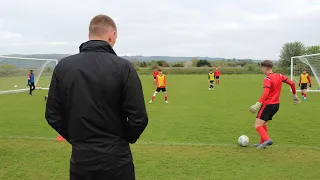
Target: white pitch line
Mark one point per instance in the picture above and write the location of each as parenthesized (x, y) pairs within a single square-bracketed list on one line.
[(168, 143)]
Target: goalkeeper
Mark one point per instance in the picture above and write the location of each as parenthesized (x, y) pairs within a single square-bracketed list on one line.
[(268, 105), (31, 82), (303, 83)]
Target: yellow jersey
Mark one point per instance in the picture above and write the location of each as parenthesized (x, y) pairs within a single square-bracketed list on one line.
[(161, 81), (305, 78), (211, 76)]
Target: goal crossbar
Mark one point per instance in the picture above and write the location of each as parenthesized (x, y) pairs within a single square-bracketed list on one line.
[(312, 68), (41, 70), (36, 59)]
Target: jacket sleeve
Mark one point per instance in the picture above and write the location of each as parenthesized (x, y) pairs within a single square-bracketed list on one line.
[(133, 104), (55, 107)]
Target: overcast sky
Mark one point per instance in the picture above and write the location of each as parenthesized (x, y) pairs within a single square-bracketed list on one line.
[(228, 28)]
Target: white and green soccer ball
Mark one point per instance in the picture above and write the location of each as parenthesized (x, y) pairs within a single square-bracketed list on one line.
[(243, 141)]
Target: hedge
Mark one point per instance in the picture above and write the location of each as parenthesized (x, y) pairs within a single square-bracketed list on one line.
[(199, 70)]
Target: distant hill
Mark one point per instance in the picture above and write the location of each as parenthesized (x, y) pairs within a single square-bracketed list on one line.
[(169, 59)]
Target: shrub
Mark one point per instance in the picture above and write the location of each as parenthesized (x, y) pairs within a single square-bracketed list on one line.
[(7, 70), (178, 65)]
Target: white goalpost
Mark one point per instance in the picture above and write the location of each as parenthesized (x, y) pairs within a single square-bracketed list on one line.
[(310, 63), (14, 73)]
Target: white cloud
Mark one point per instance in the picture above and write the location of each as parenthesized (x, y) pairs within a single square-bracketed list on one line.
[(9, 35), (229, 28)]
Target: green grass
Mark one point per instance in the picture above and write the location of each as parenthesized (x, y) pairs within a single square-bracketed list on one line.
[(9, 83), (193, 137)]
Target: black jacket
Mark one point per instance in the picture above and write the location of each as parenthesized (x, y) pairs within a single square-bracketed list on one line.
[(96, 102)]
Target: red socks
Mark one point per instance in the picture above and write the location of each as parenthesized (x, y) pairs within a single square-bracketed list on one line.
[(262, 130), (266, 129), (165, 98)]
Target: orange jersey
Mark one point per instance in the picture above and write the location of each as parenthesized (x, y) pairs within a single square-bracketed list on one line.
[(161, 81)]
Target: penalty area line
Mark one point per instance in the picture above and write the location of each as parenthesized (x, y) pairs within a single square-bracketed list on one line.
[(168, 143)]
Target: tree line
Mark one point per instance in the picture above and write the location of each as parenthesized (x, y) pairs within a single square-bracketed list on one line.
[(193, 63), (288, 50), (296, 48)]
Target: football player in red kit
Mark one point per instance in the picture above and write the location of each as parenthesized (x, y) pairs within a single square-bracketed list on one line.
[(155, 74), (217, 76), (268, 104)]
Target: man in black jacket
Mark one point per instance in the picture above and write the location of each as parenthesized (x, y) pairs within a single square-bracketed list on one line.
[(96, 103)]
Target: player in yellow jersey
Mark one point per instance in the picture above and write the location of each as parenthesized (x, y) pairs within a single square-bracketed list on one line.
[(303, 83), (161, 82), (211, 79)]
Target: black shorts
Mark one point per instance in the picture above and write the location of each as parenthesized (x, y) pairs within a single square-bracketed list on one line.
[(211, 82), (267, 111), (217, 77), (154, 77), (304, 86), (161, 89)]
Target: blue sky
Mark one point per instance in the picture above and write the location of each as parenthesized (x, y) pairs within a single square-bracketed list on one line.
[(229, 28)]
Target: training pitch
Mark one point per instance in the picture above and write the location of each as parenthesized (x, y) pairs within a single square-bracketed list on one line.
[(193, 137)]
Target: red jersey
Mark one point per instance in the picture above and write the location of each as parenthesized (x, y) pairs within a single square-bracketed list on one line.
[(155, 73), (217, 73), (272, 85)]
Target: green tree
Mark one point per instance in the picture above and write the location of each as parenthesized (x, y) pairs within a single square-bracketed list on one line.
[(135, 62), (289, 50), (241, 63), (162, 63), (312, 50), (202, 63), (178, 65), (143, 64), (194, 62)]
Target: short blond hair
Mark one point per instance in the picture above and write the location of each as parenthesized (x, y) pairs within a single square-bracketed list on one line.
[(100, 24)]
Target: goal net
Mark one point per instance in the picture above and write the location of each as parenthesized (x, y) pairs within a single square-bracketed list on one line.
[(310, 63), (14, 73)]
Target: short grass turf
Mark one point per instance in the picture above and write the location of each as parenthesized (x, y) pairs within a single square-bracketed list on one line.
[(192, 137)]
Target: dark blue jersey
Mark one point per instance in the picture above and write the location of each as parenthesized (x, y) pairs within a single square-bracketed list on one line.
[(31, 77)]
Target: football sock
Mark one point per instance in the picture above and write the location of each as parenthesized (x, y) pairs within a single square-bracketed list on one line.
[(263, 133), (166, 98), (266, 129)]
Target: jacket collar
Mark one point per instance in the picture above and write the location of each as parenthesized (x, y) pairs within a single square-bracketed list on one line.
[(96, 46)]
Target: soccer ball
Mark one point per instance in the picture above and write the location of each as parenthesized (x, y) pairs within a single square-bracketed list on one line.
[(243, 141), (15, 86)]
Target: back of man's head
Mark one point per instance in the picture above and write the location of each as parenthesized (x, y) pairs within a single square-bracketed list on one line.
[(102, 27), (267, 64)]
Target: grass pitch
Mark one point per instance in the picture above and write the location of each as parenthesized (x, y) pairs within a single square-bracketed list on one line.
[(192, 137)]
